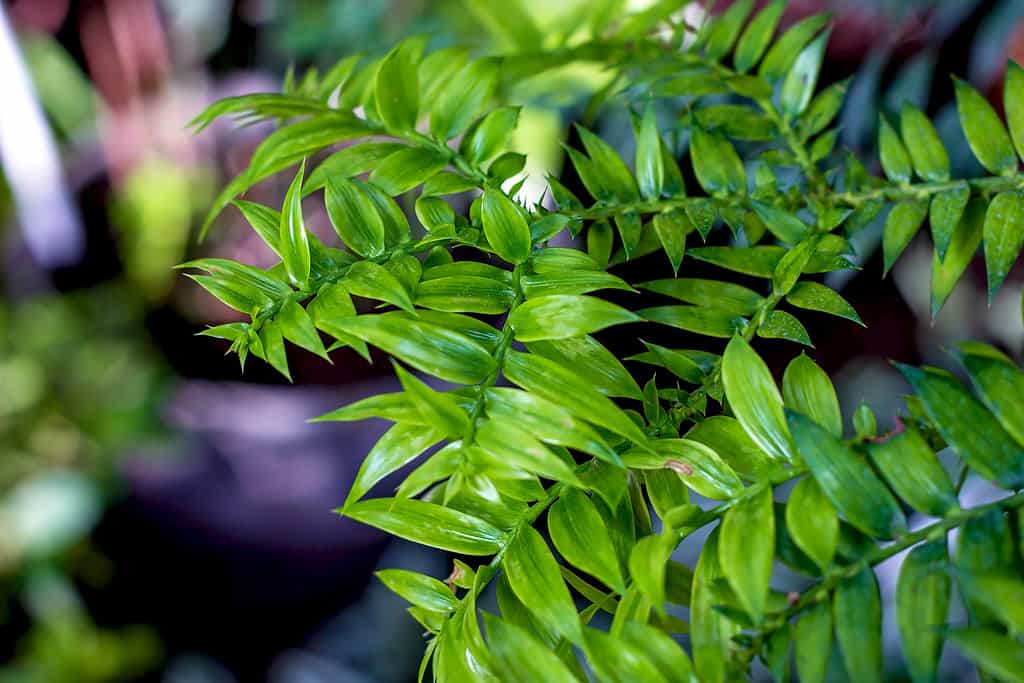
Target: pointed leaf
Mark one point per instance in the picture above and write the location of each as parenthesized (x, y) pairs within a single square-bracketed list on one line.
[(429, 524), (293, 239), (520, 657), (807, 389), (985, 132), (1004, 237), (813, 643), (419, 589), (813, 296), (561, 316), (758, 36), (812, 522), (947, 208), (926, 151), (995, 653), (755, 400), (857, 612), (914, 473), (354, 217), (399, 446), (650, 169), (746, 548), (536, 580), (580, 536), (947, 269), (397, 88), (505, 227), (901, 225)]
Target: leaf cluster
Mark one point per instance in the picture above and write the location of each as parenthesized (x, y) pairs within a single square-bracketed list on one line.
[(540, 459)]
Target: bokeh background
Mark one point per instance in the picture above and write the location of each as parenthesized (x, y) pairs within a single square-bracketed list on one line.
[(164, 517)]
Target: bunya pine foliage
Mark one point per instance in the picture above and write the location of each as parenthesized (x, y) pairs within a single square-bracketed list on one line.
[(559, 474)]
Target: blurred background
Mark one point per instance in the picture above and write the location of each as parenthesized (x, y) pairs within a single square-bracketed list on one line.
[(164, 517)]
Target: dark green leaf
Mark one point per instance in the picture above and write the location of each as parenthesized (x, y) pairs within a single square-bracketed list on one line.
[(812, 522), (437, 351), (999, 384), (813, 296), (914, 473), (746, 548), (960, 250), (1013, 101), (706, 321), (947, 208), (716, 163), (581, 538), (857, 612), (293, 238), (782, 224), (847, 480), (901, 225), (807, 389), (536, 580), (561, 316), (813, 643), (757, 261), (465, 294), (505, 227), (711, 293), (354, 217), (985, 132), (993, 652), (755, 400), (782, 325), (429, 524), (758, 36), (407, 168), (926, 151), (786, 49), (1004, 237), (419, 589), (968, 427)]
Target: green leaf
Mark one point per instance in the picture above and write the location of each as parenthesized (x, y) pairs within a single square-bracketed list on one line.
[(561, 316), (439, 410), (265, 222), (666, 490), (1013, 101), (700, 467), (617, 661), (701, 213), (354, 217), (373, 281), (968, 427), (397, 88), (610, 166), (813, 296), (716, 163), (802, 77), (746, 548), (1004, 237), (857, 613), (910, 467), (520, 657), (786, 49), (293, 238), (570, 282), (491, 135), (999, 384), (725, 29), (647, 563), (895, 159), (395, 407), (686, 365), (437, 351), (396, 225), (823, 109), (298, 328), (758, 36), (755, 400), (580, 536), (813, 643), (593, 362), (241, 296), (505, 227), (947, 208), (947, 269), (650, 163), (548, 421), (756, 261), (706, 321), (807, 389), (782, 224), (536, 580), (419, 589), (710, 632), (847, 480), (926, 151), (434, 212), (273, 347), (333, 303), (901, 225), (999, 593), (993, 652), (512, 446), (737, 121), (782, 325), (551, 381), (711, 293), (429, 524), (348, 162), (463, 97), (812, 522), (725, 436), (399, 446), (985, 132), (465, 294), (659, 648), (407, 168), (258, 284), (435, 468)]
